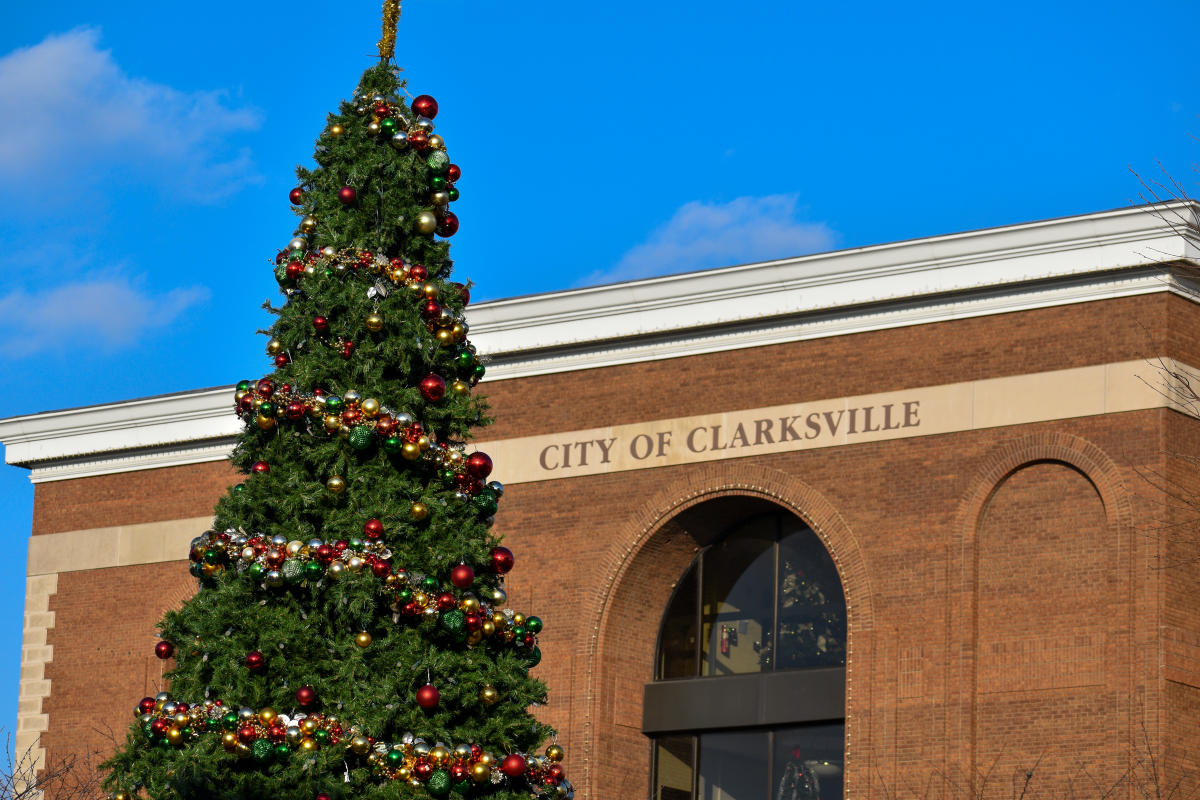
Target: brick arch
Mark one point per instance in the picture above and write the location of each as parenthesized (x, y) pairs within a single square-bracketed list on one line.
[(997, 466), (646, 539)]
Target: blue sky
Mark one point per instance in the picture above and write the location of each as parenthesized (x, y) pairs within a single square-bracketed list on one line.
[(148, 148)]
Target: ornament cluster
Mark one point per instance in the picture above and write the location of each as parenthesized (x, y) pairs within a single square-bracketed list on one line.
[(266, 735), (295, 267), (465, 615)]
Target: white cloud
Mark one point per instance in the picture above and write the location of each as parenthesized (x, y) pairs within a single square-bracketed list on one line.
[(71, 114), (703, 235), (92, 314)]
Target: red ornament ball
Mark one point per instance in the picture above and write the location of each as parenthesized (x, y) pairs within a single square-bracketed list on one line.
[(433, 387), (381, 569), (427, 696), (294, 270), (322, 796), (462, 576), (448, 224), (431, 310), (246, 733), (164, 650), (347, 195), (320, 324), (425, 105), (419, 140), (479, 465), (502, 560), (446, 601), (453, 173), (260, 467), (146, 706), (294, 410), (306, 696), (373, 528), (418, 273), (296, 196), (423, 769), (266, 387), (282, 360), (513, 766), (255, 661)]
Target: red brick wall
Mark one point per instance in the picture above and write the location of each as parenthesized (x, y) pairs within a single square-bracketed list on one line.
[(956, 552)]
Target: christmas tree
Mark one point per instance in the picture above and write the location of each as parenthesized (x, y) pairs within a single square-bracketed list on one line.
[(349, 636)]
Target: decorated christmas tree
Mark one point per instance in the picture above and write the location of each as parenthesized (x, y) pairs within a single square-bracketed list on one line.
[(349, 638)]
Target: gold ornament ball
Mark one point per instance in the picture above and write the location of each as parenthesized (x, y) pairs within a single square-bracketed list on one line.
[(355, 564), (266, 423), (182, 720), (363, 639), (328, 251), (174, 735), (474, 638), (459, 387), (411, 451), (375, 322), (499, 597), (274, 348), (120, 796), (268, 715), (332, 423), (419, 512), (438, 199), (486, 759), (480, 772), (488, 628), (298, 244), (444, 337), (469, 604), (373, 128), (308, 224), (403, 773), (518, 619), (462, 750), (308, 726), (360, 745), (424, 443), (370, 408), (308, 745), (489, 695), (439, 755), (437, 142), (294, 547), (229, 740), (336, 570), (555, 752), (336, 484), (336, 130), (426, 222)]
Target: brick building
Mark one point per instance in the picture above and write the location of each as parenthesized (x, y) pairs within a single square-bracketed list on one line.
[(870, 521)]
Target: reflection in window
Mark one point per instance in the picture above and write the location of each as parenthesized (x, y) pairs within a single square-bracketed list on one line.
[(765, 597), (802, 762)]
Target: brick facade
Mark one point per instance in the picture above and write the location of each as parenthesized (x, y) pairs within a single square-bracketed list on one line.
[(1019, 595)]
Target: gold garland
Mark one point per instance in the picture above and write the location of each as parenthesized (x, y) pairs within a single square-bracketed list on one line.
[(391, 16)]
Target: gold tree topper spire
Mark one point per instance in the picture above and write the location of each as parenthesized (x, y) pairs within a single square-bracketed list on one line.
[(391, 16)]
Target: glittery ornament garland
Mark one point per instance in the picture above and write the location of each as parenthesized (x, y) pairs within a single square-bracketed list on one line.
[(265, 736), (276, 562)]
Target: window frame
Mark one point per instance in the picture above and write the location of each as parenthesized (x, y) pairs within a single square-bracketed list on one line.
[(767, 700)]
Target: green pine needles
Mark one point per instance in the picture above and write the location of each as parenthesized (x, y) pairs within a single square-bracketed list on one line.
[(350, 638)]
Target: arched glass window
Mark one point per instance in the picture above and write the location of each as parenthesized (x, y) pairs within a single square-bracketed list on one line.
[(749, 695)]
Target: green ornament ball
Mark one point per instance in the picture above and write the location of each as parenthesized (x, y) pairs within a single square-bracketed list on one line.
[(322, 736), (255, 570), (293, 570), (243, 386), (438, 162), (394, 758), (464, 359), (333, 405), (393, 445), (534, 658), (230, 721), (437, 183), (429, 584), (388, 125), (404, 595), (282, 749), (267, 409), (313, 571), (454, 621), (262, 750), (453, 192), (485, 503), (361, 437), (479, 370), (439, 783), (533, 625)]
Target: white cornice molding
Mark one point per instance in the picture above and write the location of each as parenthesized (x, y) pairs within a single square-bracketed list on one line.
[(1050, 263)]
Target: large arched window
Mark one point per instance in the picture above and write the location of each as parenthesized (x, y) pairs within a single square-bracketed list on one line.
[(749, 693)]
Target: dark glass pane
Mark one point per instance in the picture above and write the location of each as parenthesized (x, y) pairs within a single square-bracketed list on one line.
[(673, 768), (809, 761), (812, 608), (677, 646), (736, 606), (733, 766)]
